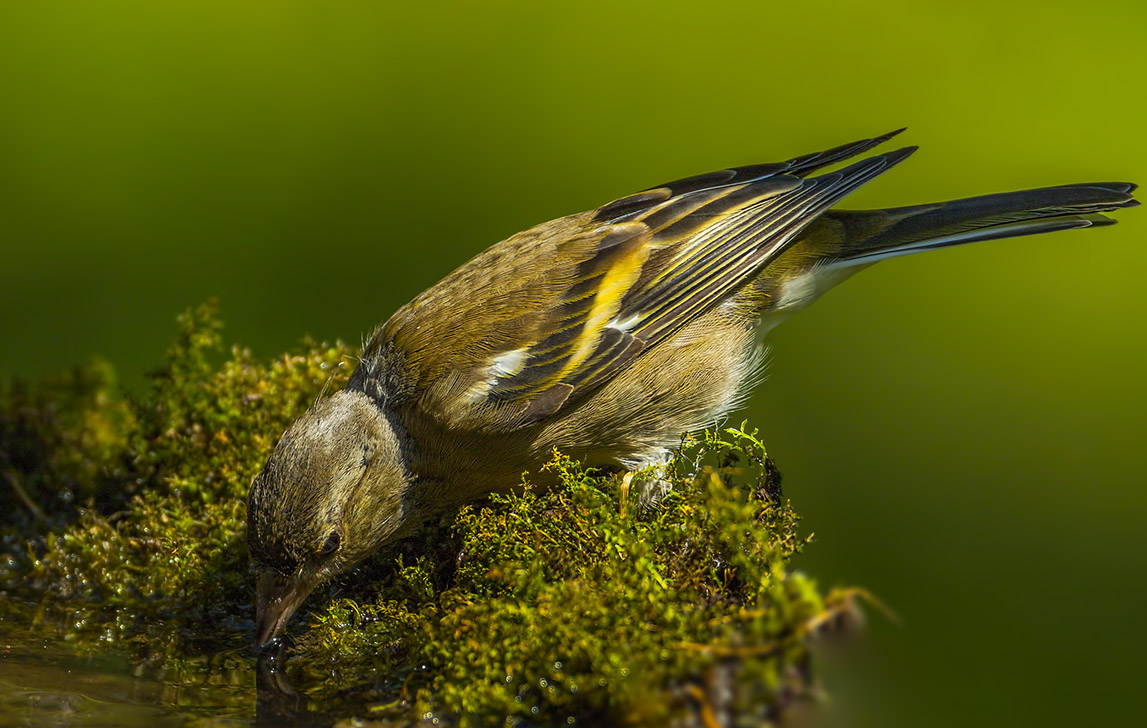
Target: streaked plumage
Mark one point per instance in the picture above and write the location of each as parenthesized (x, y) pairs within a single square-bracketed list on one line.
[(605, 334)]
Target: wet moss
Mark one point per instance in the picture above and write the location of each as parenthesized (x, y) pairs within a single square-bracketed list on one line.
[(125, 525)]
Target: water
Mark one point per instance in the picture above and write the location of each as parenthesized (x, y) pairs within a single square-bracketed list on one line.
[(50, 678), (46, 681)]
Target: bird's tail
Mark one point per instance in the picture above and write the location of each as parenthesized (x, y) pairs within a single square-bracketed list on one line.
[(873, 235)]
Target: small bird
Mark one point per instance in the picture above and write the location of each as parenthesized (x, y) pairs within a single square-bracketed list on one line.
[(605, 334)]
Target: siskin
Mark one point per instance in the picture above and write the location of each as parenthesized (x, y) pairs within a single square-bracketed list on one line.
[(605, 334)]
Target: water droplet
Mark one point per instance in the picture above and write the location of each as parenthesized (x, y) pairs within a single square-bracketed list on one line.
[(557, 665), (542, 683), (534, 710)]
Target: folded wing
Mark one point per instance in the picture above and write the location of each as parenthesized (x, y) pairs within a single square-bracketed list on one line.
[(533, 324)]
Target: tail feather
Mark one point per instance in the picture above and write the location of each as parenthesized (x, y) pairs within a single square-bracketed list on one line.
[(874, 235)]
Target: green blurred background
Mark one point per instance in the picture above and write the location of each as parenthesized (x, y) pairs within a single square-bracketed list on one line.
[(962, 429)]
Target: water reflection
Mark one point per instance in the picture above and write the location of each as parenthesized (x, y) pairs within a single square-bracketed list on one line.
[(48, 681), (50, 677), (277, 702), (43, 684)]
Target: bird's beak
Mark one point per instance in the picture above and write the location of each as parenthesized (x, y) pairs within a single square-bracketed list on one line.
[(276, 599)]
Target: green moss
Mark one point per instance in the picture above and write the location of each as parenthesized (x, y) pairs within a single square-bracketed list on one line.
[(571, 605)]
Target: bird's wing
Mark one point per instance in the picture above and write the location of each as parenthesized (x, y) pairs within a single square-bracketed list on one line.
[(536, 322)]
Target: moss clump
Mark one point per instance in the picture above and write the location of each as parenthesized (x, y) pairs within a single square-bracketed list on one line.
[(131, 513), (572, 605)]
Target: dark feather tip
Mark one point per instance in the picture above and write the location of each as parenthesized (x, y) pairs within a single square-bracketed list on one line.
[(885, 137)]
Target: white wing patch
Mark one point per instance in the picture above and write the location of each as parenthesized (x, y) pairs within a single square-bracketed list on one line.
[(626, 325), (506, 364)]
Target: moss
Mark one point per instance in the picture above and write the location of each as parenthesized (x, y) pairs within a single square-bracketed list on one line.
[(572, 605), (60, 441)]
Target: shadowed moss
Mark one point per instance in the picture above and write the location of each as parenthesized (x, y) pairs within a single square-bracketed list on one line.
[(571, 605)]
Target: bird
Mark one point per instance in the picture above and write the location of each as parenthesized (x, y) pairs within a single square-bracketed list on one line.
[(605, 334)]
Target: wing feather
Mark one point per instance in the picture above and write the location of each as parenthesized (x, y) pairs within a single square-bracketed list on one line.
[(619, 210), (736, 246), (565, 306), (722, 238)]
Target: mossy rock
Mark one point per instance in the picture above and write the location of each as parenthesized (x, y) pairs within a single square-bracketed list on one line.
[(573, 605)]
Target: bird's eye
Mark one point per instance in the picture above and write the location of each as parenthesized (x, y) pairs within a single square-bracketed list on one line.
[(331, 543)]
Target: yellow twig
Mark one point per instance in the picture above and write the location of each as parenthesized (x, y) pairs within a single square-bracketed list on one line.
[(708, 717)]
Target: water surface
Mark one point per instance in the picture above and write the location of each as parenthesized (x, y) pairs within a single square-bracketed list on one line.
[(48, 680)]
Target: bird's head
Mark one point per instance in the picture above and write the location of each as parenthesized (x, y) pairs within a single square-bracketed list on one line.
[(332, 492)]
